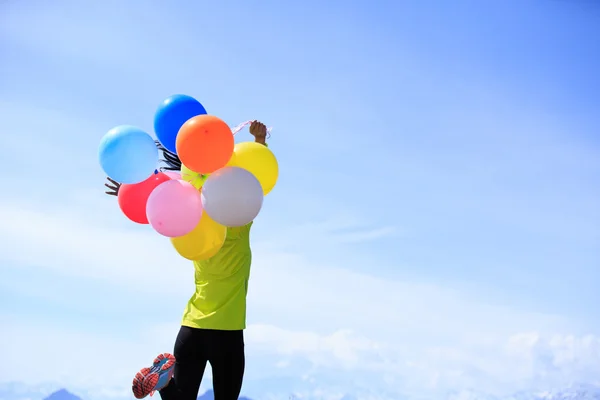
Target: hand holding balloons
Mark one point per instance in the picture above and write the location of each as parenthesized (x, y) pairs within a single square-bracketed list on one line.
[(259, 131)]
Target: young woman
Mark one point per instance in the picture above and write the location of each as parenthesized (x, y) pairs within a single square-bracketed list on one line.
[(213, 321)]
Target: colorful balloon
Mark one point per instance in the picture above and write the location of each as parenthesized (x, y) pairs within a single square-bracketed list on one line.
[(196, 179), (171, 114), (232, 196), (128, 154), (205, 144), (134, 197), (203, 242), (174, 208), (259, 160)]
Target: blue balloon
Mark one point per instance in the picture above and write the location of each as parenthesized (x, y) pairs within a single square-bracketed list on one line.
[(171, 115), (128, 154)]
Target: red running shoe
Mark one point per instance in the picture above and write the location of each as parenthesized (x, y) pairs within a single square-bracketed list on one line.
[(149, 380)]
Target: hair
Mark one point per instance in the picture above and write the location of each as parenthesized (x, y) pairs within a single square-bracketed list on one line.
[(171, 161)]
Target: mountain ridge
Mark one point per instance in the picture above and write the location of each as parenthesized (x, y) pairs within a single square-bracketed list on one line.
[(576, 392), (64, 394)]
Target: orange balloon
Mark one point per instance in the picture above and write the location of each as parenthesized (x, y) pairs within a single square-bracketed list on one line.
[(204, 144)]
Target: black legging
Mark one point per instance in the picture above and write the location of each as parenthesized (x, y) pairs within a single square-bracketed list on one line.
[(224, 350)]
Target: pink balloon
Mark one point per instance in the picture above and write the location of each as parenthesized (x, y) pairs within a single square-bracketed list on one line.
[(174, 208), (172, 174)]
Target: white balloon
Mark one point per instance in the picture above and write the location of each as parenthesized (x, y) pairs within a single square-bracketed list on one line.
[(232, 196)]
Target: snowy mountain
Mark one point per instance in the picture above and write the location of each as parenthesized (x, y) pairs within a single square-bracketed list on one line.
[(580, 392), (22, 391), (62, 394)]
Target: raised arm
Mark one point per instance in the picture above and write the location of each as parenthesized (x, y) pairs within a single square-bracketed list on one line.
[(259, 131)]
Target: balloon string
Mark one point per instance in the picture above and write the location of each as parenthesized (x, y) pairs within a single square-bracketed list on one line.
[(246, 123)]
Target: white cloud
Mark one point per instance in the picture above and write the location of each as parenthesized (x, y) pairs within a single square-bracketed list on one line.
[(338, 229), (40, 354), (339, 349), (329, 238), (77, 241), (508, 364), (565, 357)]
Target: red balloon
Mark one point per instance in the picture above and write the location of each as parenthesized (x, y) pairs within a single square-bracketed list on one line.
[(133, 197)]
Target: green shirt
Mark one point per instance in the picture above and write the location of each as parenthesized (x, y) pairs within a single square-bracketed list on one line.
[(222, 285)]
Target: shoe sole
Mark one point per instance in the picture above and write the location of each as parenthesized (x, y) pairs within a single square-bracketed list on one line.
[(145, 381)]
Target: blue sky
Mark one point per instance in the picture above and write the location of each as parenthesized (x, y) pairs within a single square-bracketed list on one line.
[(436, 223)]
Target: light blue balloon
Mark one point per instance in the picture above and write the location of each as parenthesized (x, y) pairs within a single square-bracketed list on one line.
[(128, 154)]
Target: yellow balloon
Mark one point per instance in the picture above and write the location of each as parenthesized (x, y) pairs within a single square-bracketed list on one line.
[(259, 160), (196, 179), (203, 242)]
